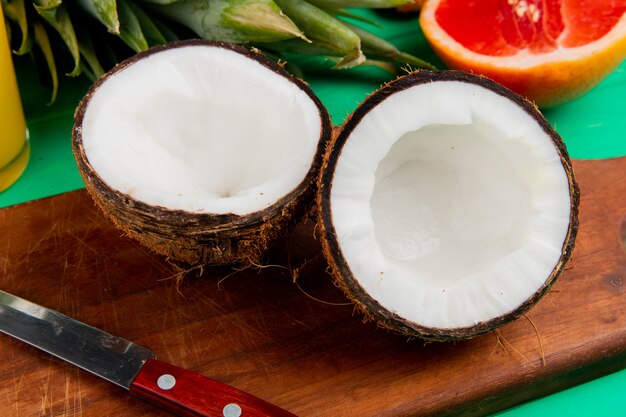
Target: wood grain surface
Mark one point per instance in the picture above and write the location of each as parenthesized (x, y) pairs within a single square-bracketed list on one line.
[(299, 345)]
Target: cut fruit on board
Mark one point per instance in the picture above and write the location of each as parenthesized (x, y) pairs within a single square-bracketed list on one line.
[(238, 171), (550, 51), (256, 330), (448, 221)]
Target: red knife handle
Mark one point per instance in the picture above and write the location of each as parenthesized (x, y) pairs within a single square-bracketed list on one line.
[(188, 394)]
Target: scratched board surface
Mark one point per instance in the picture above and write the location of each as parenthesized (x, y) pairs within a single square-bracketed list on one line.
[(299, 345)]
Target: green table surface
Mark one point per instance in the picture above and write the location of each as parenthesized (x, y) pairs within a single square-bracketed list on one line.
[(594, 126)]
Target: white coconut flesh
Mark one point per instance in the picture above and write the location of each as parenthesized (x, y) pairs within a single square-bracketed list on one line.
[(202, 129), (450, 204)]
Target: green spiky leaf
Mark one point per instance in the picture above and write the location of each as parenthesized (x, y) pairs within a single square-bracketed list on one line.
[(55, 13), (88, 52), (15, 11), (373, 46), (310, 27), (167, 33), (354, 16), (161, 2), (237, 21), (325, 31), (130, 28), (103, 10), (260, 21), (42, 40), (364, 4), (149, 29)]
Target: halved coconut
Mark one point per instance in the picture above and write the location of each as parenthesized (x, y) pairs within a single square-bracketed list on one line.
[(448, 205), (203, 151)]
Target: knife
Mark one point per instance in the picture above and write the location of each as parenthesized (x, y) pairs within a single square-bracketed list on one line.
[(127, 364)]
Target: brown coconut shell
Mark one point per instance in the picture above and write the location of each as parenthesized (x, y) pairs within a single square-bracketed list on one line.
[(342, 274), (201, 238)]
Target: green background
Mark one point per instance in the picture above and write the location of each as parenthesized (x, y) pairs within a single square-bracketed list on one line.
[(594, 126)]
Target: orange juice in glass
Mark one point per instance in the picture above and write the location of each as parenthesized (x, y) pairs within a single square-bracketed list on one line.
[(14, 146)]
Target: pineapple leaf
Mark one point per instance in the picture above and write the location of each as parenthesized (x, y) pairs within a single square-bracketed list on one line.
[(237, 21), (198, 15), (161, 2), (15, 10), (130, 28), (167, 33), (150, 30), (260, 21), (384, 65), (87, 72), (325, 31), (377, 47), (310, 27), (103, 10), (88, 52), (295, 46), (369, 4), (43, 42), (55, 13), (346, 13)]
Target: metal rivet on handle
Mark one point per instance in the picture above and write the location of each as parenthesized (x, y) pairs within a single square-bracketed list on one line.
[(231, 410), (166, 381)]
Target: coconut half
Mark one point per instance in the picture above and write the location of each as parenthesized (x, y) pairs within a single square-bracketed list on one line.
[(203, 151), (448, 205)]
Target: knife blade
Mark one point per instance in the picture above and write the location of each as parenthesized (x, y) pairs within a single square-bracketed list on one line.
[(127, 364)]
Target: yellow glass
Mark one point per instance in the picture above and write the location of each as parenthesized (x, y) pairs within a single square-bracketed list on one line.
[(14, 146)]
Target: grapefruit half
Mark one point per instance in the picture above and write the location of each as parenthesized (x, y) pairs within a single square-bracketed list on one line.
[(549, 51)]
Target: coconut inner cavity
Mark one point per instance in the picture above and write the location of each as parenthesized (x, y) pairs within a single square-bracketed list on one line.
[(443, 193), (201, 129), (450, 204)]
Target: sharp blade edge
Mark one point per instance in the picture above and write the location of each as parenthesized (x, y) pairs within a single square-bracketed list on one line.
[(115, 359)]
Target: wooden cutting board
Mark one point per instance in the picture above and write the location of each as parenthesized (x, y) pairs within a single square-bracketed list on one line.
[(299, 345)]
